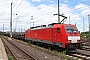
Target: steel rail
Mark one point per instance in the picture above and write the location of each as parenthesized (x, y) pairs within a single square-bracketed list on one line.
[(19, 49)]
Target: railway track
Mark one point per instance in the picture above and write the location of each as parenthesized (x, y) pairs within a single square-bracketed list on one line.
[(86, 41), (17, 52), (80, 54), (87, 48), (39, 53)]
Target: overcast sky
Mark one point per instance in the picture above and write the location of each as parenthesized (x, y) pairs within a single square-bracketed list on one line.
[(43, 13)]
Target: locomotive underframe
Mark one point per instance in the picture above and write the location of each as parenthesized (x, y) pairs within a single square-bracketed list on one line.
[(72, 47), (48, 42)]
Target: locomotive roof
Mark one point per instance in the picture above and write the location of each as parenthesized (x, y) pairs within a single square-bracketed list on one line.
[(38, 26), (51, 25), (66, 25), (70, 25)]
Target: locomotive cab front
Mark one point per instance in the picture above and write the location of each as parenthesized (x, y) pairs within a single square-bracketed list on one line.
[(73, 36)]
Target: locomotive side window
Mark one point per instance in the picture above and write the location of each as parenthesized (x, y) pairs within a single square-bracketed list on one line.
[(58, 30)]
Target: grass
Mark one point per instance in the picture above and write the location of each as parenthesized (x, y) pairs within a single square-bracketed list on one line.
[(10, 58), (6, 50), (29, 42), (62, 54)]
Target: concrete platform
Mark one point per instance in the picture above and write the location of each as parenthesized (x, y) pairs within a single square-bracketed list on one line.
[(3, 55)]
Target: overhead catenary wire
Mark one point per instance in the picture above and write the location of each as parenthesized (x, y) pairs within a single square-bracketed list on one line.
[(18, 6), (72, 5), (52, 11), (77, 3), (64, 12), (76, 9), (69, 10)]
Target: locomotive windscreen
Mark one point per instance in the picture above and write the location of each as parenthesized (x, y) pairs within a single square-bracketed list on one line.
[(71, 29)]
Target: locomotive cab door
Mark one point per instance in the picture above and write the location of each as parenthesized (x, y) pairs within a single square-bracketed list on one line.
[(58, 34), (54, 35)]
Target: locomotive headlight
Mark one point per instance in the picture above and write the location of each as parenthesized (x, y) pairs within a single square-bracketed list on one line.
[(69, 41)]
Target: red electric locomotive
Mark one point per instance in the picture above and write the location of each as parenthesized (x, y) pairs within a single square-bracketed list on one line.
[(63, 35)]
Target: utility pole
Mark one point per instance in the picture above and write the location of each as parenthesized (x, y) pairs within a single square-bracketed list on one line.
[(89, 23), (11, 22), (30, 25), (33, 24), (16, 24), (58, 12), (75, 24), (69, 19), (32, 19), (3, 29), (21, 28), (83, 25)]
